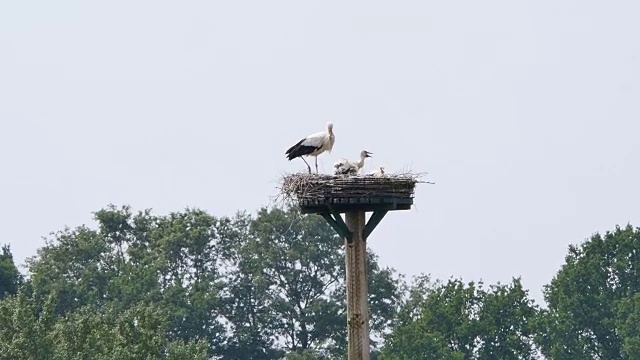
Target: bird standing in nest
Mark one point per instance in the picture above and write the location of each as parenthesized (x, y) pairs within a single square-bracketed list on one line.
[(346, 167), (313, 145)]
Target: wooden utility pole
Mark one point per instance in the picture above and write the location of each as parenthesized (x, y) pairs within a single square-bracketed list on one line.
[(355, 232), (357, 288)]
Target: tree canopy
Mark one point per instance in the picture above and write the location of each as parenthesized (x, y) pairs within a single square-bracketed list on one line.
[(593, 304), (10, 277), (454, 320), (236, 287), (190, 285)]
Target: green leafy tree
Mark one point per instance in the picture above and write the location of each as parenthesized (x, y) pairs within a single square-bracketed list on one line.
[(147, 286), (628, 325), (186, 250), (289, 285), (248, 296), (25, 327), (591, 298), (504, 323), (10, 277), (302, 261), (434, 322), (31, 331), (305, 355), (462, 321), (75, 266), (170, 262), (138, 332)]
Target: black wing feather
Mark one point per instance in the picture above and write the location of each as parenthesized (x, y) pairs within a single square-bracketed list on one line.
[(298, 150)]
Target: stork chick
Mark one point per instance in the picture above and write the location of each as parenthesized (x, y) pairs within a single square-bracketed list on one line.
[(346, 167), (378, 173), (313, 145)]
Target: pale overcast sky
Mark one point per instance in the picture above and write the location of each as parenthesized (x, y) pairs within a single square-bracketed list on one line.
[(526, 114)]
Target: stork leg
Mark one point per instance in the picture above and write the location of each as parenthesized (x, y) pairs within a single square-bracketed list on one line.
[(305, 161), (316, 164)]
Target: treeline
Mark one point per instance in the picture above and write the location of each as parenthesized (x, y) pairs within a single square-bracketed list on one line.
[(189, 285)]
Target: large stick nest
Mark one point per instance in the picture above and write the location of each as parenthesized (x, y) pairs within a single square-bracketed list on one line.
[(303, 186)]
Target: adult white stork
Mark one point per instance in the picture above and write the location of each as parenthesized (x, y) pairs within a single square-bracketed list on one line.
[(313, 145), (346, 167)]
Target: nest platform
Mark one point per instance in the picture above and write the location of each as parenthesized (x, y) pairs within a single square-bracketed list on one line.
[(322, 194)]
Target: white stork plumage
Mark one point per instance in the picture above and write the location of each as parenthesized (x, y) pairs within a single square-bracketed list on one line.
[(346, 167), (313, 145), (377, 173)]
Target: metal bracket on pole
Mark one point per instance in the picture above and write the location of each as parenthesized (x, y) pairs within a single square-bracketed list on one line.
[(374, 220), (338, 225)]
